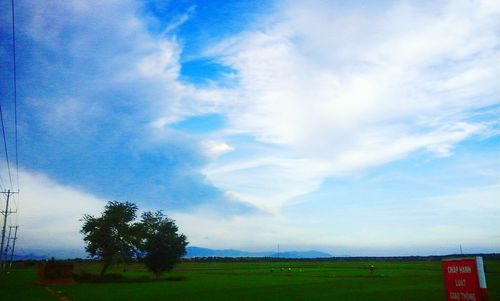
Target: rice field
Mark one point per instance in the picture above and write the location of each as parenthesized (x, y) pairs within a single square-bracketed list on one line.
[(332, 280)]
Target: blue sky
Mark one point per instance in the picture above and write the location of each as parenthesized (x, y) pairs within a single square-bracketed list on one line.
[(368, 128)]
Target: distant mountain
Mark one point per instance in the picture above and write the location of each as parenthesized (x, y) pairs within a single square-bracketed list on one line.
[(204, 252), (302, 254), (40, 254), (29, 256)]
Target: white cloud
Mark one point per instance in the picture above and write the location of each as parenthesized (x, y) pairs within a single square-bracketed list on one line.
[(473, 201), (345, 91), (107, 57), (268, 182), (328, 90), (214, 148), (445, 221), (49, 213), (163, 63)]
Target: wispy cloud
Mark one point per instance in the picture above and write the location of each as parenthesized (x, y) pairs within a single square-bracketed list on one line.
[(98, 91), (325, 90), (346, 89), (50, 214)]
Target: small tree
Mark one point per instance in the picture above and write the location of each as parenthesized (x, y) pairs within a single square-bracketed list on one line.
[(162, 245), (111, 235)]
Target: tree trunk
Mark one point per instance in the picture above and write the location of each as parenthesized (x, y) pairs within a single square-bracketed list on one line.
[(105, 267)]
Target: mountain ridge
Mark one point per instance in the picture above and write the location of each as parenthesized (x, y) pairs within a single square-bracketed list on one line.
[(191, 252)]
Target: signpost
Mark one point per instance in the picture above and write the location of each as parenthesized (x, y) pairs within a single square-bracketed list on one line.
[(464, 279)]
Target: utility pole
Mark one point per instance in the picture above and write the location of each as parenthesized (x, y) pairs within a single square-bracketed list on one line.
[(5, 214), (4, 225), (5, 252), (13, 247)]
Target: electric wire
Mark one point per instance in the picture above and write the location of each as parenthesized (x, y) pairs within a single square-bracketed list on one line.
[(2, 186), (15, 90), (14, 59), (5, 146), (16, 198), (14, 218), (10, 216)]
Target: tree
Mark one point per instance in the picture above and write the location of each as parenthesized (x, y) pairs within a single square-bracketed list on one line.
[(162, 245), (111, 235)]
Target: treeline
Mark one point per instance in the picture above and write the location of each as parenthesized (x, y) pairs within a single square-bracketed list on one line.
[(488, 256), (491, 256)]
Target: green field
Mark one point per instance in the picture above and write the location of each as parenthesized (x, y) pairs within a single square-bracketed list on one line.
[(335, 280)]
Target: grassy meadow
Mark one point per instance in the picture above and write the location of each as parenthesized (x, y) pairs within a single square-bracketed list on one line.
[(334, 280)]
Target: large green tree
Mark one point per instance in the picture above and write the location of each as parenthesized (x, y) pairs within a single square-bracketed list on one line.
[(112, 235), (161, 243)]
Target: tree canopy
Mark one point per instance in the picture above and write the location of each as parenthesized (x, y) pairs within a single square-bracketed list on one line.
[(161, 244), (117, 235), (112, 234)]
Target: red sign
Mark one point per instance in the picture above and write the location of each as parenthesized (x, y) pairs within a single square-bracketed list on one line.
[(461, 280)]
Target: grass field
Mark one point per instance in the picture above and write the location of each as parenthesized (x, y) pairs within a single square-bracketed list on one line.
[(336, 280)]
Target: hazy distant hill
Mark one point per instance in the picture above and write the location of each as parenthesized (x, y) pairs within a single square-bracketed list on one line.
[(29, 256), (38, 254), (204, 252), (302, 254)]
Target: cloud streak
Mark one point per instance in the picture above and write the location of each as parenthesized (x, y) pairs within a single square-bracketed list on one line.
[(96, 95), (50, 214), (345, 90)]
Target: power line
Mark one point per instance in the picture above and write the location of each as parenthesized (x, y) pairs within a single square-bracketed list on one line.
[(4, 253), (2, 186), (5, 146), (15, 131), (15, 88)]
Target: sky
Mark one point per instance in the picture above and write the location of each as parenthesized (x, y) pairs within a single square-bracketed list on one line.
[(354, 128)]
